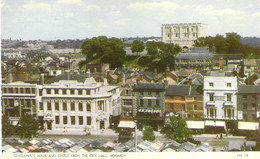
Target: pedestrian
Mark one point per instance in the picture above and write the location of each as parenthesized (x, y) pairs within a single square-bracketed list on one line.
[(221, 137), (217, 136)]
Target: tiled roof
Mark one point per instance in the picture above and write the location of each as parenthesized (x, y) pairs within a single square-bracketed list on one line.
[(248, 89), (149, 86), (194, 56)]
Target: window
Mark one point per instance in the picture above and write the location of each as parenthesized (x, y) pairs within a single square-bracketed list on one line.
[(64, 106), (49, 106), (244, 96), (41, 106), (57, 119), (72, 106), (211, 97), (88, 92), (72, 92), (253, 106), (88, 120), (244, 106), (57, 106), (126, 92), (141, 93), (80, 107), (195, 98), (72, 120), (128, 102), (228, 84), (229, 97), (10, 90), (48, 91), (211, 84), (88, 107), (21, 90), (149, 102), (64, 91), (149, 93), (80, 120), (100, 105), (157, 103), (157, 93), (141, 102), (79, 91), (65, 121), (195, 107), (244, 116), (27, 90), (56, 91), (40, 92)]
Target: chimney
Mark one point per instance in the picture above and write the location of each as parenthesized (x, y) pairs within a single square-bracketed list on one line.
[(189, 81), (221, 63), (88, 73), (42, 79), (123, 79), (165, 82)]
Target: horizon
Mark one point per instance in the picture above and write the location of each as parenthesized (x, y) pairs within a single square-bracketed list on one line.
[(77, 19)]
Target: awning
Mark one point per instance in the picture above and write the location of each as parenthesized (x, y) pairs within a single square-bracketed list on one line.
[(220, 123), (126, 124), (195, 124), (248, 125), (209, 123)]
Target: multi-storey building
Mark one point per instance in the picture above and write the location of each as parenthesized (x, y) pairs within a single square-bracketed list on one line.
[(127, 99), (185, 100), (149, 105), (18, 99), (220, 101), (248, 99), (183, 34), (194, 60), (71, 105)]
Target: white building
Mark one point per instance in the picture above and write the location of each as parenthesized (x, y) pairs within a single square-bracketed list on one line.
[(72, 105), (183, 34), (220, 100)]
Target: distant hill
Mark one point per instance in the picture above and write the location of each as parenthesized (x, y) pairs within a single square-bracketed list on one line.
[(251, 41)]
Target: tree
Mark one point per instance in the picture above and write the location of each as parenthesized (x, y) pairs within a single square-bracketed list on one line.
[(103, 50), (176, 129), (7, 127), (148, 134), (137, 46), (28, 126), (233, 43)]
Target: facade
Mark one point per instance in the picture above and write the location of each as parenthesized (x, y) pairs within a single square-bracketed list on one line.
[(127, 99), (194, 60), (65, 105), (248, 99), (185, 100), (72, 105), (18, 99), (149, 105), (220, 101), (183, 34)]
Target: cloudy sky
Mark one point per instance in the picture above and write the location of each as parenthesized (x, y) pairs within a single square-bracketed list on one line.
[(80, 19)]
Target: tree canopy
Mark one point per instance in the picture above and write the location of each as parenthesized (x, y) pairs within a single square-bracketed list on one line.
[(159, 56), (104, 50), (176, 129), (148, 134), (7, 127), (137, 46), (230, 44), (28, 126)]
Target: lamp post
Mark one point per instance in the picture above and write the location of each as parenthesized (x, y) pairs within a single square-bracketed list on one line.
[(135, 135)]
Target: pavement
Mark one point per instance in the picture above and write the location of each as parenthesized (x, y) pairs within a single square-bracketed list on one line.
[(107, 132)]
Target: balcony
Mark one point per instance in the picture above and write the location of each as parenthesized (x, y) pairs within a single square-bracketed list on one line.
[(210, 103), (228, 103)]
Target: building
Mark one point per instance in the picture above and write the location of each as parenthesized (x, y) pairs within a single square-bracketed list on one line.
[(149, 105), (127, 99), (183, 34), (67, 105), (248, 99), (251, 66), (18, 99), (78, 104), (220, 102), (194, 60), (186, 100)]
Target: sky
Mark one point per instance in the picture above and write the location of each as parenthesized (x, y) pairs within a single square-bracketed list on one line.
[(80, 19)]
